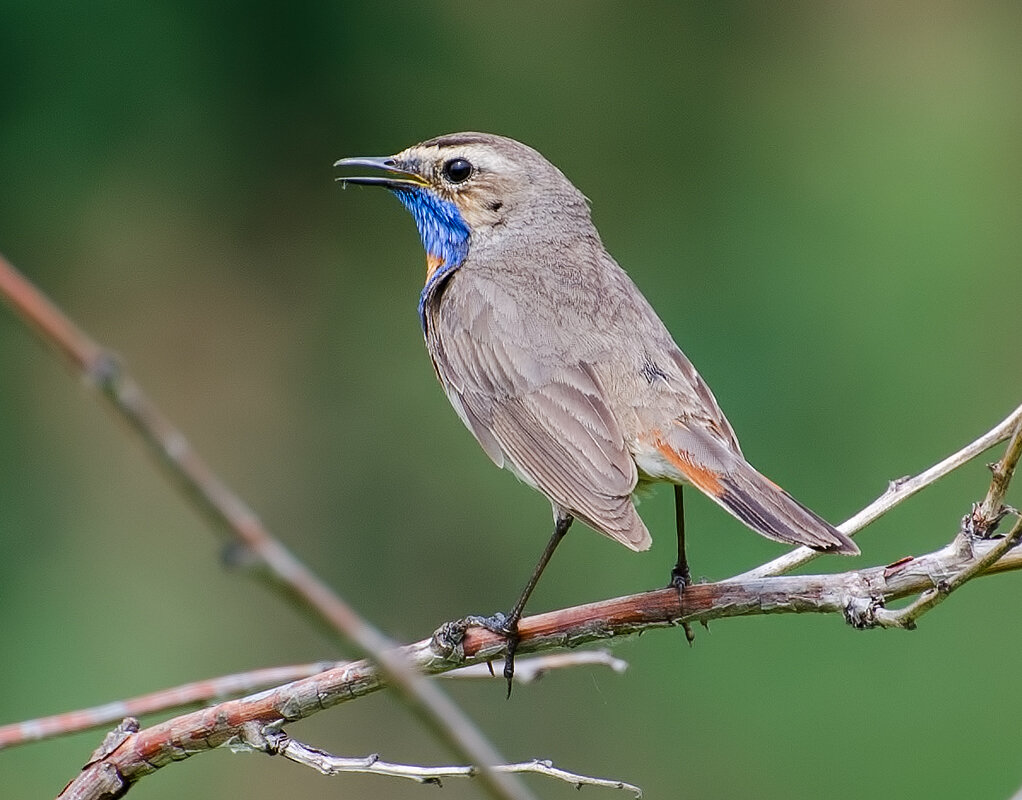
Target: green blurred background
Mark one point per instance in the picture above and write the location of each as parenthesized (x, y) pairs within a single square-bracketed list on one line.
[(822, 200)]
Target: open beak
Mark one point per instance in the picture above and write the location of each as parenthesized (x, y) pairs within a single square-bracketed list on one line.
[(398, 177)]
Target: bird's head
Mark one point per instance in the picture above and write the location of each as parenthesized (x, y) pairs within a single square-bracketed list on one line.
[(465, 188)]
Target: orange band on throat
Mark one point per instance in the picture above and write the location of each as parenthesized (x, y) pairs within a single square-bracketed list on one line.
[(433, 263)]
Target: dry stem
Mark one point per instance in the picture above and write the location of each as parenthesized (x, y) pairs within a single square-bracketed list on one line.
[(857, 596), (327, 764), (897, 492), (189, 695)]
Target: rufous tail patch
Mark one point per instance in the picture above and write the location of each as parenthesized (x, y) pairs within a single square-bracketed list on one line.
[(701, 477)]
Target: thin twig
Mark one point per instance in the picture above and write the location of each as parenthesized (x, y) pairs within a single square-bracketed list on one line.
[(992, 509), (898, 492), (857, 596), (229, 513), (980, 523), (906, 617), (530, 670), (179, 697), (327, 764), (527, 670)]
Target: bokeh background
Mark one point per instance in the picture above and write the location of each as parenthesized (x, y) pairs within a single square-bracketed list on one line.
[(821, 199)]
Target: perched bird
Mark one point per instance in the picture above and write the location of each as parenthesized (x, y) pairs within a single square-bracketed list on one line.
[(554, 359)]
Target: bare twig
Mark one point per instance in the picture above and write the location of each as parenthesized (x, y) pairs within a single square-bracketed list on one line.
[(527, 670), (327, 764), (906, 617), (898, 491), (857, 596), (189, 694), (860, 596), (992, 509), (530, 670), (229, 513), (980, 523)]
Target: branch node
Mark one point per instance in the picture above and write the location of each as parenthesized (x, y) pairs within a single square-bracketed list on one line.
[(964, 545), (103, 370), (983, 526), (862, 612), (237, 555), (114, 739), (896, 483), (970, 522), (448, 640), (885, 618), (255, 736)]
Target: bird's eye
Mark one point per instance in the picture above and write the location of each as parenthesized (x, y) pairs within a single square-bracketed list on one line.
[(457, 170)]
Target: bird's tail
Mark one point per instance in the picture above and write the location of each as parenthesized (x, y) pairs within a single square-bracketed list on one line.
[(769, 510)]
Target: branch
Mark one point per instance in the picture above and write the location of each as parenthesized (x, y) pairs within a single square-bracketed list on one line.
[(327, 764), (189, 694), (897, 492), (992, 510), (527, 670), (530, 670), (906, 617), (229, 513), (981, 522), (859, 596), (856, 595)]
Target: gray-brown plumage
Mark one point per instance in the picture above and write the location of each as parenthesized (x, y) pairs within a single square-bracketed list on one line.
[(554, 359)]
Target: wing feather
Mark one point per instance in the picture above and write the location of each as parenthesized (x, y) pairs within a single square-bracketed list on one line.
[(549, 422)]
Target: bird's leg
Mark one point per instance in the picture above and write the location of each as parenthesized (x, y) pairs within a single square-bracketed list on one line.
[(681, 576), (508, 625)]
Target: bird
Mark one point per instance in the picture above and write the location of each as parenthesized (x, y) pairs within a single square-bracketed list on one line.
[(555, 360)]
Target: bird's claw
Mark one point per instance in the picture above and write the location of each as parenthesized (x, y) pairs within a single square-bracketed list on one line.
[(496, 623), (501, 624), (680, 578)]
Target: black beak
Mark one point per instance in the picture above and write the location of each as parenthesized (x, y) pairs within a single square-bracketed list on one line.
[(398, 178)]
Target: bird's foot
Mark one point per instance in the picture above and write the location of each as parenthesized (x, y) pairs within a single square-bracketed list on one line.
[(503, 625), (497, 623), (680, 578)]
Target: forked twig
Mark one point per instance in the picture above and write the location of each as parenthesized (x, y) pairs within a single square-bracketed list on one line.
[(980, 523), (528, 670), (860, 596), (327, 764), (184, 696), (897, 492)]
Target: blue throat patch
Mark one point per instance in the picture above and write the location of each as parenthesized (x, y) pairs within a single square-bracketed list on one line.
[(444, 235)]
